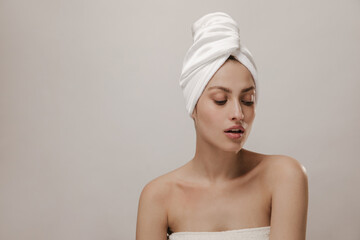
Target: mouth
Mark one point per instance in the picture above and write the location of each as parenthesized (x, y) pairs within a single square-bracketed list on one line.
[(234, 133)]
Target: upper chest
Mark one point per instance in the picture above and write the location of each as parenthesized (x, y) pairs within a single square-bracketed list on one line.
[(234, 205)]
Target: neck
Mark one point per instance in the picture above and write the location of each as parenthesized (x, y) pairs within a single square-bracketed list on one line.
[(216, 165)]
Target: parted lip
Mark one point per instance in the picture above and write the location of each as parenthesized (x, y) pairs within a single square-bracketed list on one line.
[(235, 127)]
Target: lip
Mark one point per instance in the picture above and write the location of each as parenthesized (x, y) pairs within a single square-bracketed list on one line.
[(236, 127), (234, 135)]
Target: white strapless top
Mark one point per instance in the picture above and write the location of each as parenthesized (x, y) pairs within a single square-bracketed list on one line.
[(259, 233)]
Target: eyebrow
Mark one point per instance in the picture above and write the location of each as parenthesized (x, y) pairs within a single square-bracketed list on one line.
[(229, 91)]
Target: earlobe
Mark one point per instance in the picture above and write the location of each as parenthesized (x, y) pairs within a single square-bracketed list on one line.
[(193, 113)]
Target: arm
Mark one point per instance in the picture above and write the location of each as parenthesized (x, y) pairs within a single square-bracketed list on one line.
[(152, 215), (289, 200)]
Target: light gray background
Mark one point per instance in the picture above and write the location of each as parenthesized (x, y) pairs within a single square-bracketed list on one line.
[(91, 109)]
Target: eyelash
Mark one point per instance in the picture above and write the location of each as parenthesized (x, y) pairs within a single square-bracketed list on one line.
[(223, 102)]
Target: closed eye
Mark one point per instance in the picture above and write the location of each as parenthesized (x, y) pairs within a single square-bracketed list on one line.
[(220, 102), (224, 101), (248, 103)]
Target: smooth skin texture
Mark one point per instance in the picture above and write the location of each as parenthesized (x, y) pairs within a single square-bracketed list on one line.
[(226, 187)]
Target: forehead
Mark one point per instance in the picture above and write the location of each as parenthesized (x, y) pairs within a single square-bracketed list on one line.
[(232, 74)]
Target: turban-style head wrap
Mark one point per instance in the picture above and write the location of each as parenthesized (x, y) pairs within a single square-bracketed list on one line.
[(216, 37)]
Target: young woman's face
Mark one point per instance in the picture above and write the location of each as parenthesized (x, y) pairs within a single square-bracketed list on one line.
[(227, 100)]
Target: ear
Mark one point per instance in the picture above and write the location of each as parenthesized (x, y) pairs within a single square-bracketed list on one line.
[(194, 113)]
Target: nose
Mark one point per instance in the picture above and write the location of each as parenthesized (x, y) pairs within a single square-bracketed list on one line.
[(236, 111)]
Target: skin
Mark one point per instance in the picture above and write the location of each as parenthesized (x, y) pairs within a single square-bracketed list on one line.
[(226, 187)]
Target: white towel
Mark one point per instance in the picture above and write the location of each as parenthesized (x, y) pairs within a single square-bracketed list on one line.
[(258, 233), (216, 37)]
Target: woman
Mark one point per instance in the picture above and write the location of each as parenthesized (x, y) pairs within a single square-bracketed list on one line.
[(225, 191)]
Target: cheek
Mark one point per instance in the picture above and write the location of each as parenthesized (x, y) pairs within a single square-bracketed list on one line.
[(249, 114), (207, 112)]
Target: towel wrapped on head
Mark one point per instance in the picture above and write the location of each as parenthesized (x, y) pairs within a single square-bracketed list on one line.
[(216, 37)]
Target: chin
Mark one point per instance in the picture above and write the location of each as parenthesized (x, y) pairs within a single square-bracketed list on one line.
[(233, 147)]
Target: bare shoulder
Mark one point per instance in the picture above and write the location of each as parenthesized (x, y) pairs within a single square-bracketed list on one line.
[(152, 219), (288, 182), (157, 188), (160, 188), (283, 170), (281, 166), (277, 163), (279, 170)]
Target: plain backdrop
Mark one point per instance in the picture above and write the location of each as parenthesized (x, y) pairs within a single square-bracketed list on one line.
[(91, 109)]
